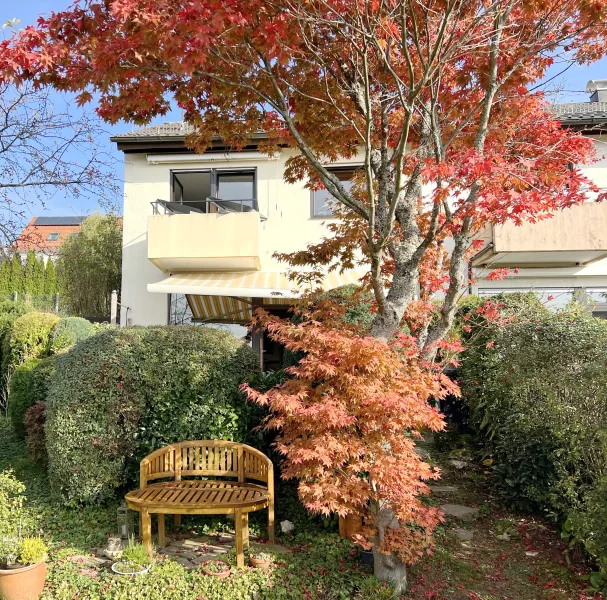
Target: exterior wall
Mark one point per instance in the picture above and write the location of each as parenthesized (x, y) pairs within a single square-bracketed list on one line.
[(288, 226), (591, 277)]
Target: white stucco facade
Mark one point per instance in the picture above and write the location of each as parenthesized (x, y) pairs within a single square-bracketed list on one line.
[(286, 225)]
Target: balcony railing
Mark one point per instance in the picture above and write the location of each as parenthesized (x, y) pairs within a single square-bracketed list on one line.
[(208, 206)]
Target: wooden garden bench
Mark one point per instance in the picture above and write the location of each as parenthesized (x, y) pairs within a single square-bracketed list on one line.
[(238, 463)]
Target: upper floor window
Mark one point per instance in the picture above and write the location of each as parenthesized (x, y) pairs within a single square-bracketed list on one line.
[(321, 198), (52, 237), (215, 190)]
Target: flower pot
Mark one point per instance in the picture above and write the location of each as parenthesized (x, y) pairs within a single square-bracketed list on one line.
[(366, 557), (23, 583), (258, 563), (350, 525), (219, 575)]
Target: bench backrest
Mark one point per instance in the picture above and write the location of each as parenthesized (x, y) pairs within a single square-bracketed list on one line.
[(207, 458)]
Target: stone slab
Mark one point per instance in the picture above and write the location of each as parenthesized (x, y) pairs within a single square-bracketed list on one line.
[(466, 513), (185, 563), (443, 489), (464, 534)]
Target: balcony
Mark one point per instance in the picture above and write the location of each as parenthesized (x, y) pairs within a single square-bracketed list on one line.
[(572, 237), (185, 239)]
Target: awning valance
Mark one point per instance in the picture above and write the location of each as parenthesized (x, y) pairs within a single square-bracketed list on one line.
[(228, 297)]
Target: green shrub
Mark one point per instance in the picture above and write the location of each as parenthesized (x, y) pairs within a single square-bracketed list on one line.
[(123, 393), (29, 337), (68, 332), (539, 399), (29, 384), (9, 312)]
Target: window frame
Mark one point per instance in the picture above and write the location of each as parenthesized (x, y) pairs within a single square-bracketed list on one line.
[(354, 167), (214, 181), (50, 237)]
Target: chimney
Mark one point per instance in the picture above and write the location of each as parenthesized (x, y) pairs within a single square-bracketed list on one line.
[(598, 87)]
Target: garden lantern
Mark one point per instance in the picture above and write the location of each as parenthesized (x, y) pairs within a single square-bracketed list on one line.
[(125, 522)]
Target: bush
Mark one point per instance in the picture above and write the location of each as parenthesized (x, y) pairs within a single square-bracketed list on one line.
[(34, 421), (29, 384), (123, 393), (539, 398), (29, 337), (68, 332)]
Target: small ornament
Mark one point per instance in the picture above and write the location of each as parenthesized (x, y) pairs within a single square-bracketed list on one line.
[(114, 548)]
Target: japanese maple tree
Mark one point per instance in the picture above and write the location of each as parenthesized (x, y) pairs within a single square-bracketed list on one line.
[(437, 99)]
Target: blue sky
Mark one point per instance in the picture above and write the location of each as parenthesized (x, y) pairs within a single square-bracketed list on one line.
[(572, 83)]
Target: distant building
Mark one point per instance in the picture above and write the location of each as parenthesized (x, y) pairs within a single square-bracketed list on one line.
[(45, 235)]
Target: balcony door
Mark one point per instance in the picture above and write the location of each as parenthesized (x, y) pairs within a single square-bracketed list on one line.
[(215, 190)]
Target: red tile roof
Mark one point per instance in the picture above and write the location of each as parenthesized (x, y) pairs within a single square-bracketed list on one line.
[(35, 237)]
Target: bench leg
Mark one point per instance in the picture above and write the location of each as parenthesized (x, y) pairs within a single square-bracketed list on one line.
[(239, 539), (146, 530), (177, 521), (271, 520), (161, 539), (245, 529)]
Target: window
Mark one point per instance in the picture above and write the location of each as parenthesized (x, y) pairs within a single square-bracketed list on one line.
[(322, 198), (52, 237), (215, 190)]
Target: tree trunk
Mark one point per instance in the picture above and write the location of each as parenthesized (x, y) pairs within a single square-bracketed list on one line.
[(388, 567)]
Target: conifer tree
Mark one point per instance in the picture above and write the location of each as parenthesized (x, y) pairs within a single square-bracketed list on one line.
[(17, 276), (30, 273), (50, 278), (5, 277)]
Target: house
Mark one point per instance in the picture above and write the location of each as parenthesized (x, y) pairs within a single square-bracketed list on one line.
[(45, 235), (565, 255), (200, 231)]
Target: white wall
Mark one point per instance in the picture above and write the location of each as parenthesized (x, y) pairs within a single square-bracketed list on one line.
[(289, 225)]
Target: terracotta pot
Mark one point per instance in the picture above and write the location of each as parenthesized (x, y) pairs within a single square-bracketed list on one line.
[(349, 525), (25, 583), (221, 575), (258, 563)]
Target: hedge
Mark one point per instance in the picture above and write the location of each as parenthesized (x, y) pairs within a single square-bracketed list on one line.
[(123, 393), (10, 311), (29, 337), (68, 332), (539, 402), (29, 384)]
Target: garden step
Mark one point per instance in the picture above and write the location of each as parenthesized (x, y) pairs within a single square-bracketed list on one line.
[(464, 534), (466, 513), (440, 489), (203, 558)]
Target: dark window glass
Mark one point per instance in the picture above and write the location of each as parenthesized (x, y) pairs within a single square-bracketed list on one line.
[(53, 237), (321, 198), (237, 186)]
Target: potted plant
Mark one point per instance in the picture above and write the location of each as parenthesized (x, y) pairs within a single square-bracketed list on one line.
[(135, 560), (260, 560), (217, 567), (22, 566)]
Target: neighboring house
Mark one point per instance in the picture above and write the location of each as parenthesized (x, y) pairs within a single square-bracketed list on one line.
[(200, 231), (566, 254), (45, 235)]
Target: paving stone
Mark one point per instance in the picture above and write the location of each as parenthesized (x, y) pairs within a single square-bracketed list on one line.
[(443, 489), (90, 561), (194, 544), (464, 534), (466, 513), (185, 563), (459, 464), (272, 548)]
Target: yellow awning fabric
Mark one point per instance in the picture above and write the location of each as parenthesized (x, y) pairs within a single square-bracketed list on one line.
[(228, 297)]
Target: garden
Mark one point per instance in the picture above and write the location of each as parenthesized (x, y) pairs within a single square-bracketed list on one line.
[(520, 497)]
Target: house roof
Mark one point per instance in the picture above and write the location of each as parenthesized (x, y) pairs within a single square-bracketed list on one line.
[(574, 114), (581, 113), (36, 233)]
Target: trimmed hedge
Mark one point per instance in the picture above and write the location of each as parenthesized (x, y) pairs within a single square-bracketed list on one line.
[(29, 384), (34, 420), (10, 311), (29, 337), (123, 393), (68, 332), (539, 403)]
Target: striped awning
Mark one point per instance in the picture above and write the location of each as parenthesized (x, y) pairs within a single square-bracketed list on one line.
[(228, 297)]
